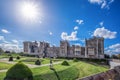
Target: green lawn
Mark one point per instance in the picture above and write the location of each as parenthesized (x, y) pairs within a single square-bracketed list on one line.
[(4, 65), (2, 75), (7, 55), (75, 70)]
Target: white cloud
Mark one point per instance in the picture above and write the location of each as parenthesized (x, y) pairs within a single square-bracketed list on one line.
[(50, 33), (101, 23), (5, 31), (2, 38), (111, 1), (90, 33), (76, 28), (102, 3), (96, 1), (71, 37), (115, 48), (80, 21), (11, 47), (102, 32), (15, 41)]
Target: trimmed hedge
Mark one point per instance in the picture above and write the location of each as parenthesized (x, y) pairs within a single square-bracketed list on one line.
[(19, 72), (65, 63), (75, 60), (10, 58), (96, 60), (37, 62), (18, 57)]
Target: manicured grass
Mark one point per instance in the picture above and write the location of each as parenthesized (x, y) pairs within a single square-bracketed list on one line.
[(4, 65), (72, 72), (2, 75), (75, 70), (86, 69), (7, 55), (28, 60)]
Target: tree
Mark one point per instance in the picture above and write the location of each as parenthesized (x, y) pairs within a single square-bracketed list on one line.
[(114, 56), (7, 51), (107, 56), (118, 56)]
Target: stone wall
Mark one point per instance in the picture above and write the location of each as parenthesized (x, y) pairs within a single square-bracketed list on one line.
[(112, 74)]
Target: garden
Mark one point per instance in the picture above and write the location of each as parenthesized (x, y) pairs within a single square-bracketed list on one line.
[(65, 70)]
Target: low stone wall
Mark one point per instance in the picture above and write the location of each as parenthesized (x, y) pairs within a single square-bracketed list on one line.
[(112, 74)]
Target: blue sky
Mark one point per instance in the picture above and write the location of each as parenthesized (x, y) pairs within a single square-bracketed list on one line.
[(55, 20)]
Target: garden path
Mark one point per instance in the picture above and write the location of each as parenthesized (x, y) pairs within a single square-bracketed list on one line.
[(5, 60)]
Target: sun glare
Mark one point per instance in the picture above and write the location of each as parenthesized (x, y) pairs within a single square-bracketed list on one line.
[(29, 11)]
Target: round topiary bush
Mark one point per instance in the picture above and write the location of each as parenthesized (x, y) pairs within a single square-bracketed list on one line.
[(75, 60), (10, 58), (18, 57), (19, 72), (65, 63), (37, 62)]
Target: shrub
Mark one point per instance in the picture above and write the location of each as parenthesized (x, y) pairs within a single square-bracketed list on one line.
[(10, 58), (75, 60), (18, 57), (19, 72), (37, 62), (65, 63)]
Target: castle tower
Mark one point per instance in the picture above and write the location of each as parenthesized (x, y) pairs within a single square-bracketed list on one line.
[(64, 48), (26, 46), (94, 47)]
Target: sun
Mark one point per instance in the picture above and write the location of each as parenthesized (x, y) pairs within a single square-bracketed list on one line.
[(29, 11)]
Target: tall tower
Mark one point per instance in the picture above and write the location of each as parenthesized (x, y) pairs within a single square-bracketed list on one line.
[(64, 48), (26, 46), (43, 48), (34, 47), (95, 47)]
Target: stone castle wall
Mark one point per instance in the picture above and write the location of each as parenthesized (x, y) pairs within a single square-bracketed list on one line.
[(112, 74)]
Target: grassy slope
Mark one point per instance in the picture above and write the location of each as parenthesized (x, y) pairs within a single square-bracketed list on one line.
[(79, 69), (2, 75), (4, 65), (75, 70)]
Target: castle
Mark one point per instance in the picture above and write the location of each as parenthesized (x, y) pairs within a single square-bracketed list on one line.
[(94, 48)]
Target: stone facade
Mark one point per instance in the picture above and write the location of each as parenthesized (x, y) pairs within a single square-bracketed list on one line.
[(94, 48), (64, 48), (79, 51), (53, 51)]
